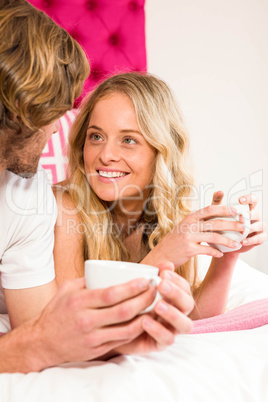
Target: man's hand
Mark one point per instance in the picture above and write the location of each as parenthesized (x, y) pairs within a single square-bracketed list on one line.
[(170, 315), (81, 324)]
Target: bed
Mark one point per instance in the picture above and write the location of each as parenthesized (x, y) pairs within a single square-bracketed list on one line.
[(228, 365)]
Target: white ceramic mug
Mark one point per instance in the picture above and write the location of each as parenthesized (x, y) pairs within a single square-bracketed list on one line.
[(103, 274), (236, 236)]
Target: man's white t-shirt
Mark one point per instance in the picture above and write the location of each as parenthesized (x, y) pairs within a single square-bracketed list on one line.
[(28, 214)]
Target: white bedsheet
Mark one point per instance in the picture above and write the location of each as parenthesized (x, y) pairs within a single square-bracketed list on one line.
[(226, 366)]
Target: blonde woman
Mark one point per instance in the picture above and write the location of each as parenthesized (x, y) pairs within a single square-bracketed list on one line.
[(127, 196)]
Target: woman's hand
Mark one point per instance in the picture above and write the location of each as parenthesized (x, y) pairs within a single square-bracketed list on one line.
[(185, 240), (212, 295), (257, 234)]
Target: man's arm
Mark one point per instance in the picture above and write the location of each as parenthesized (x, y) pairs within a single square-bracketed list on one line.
[(80, 324), (17, 350), (76, 325), (27, 268), (24, 304)]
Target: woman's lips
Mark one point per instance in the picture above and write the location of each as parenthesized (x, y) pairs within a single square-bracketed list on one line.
[(106, 176), (110, 173)]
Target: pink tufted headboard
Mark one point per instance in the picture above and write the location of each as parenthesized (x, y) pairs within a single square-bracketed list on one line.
[(112, 34)]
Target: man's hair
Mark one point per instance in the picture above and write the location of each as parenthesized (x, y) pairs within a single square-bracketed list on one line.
[(42, 68)]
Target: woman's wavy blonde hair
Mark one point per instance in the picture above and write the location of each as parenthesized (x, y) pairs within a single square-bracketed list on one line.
[(161, 123), (42, 68)]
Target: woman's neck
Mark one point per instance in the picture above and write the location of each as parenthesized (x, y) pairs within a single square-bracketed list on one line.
[(126, 212), (126, 223), (130, 226)]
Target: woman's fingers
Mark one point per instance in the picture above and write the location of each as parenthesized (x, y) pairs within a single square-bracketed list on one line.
[(217, 197), (257, 227), (254, 240), (212, 211), (221, 225), (255, 215), (216, 209), (250, 199), (208, 250), (215, 238)]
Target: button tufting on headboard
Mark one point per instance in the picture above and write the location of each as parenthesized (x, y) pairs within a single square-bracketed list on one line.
[(97, 73), (114, 39), (133, 6), (46, 3), (91, 5), (111, 32)]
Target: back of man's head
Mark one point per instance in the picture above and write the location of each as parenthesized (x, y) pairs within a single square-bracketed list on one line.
[(42, 69)]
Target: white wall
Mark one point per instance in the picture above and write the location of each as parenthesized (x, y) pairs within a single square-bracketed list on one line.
[(214, 54)]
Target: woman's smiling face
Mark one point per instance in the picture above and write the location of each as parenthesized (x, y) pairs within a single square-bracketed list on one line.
[(119, 162)]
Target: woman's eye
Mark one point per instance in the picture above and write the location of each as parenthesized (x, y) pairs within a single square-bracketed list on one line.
[(129, 141), (95, 137)]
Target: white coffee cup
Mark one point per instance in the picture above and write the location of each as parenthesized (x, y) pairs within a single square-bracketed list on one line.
[(236, 236), (102, 274)]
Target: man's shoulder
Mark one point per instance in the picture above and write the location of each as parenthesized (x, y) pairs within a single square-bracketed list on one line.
[(27, 196), (20, 183), (28, 213)]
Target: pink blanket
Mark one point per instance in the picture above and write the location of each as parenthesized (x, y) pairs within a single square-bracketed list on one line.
[(248, 316)]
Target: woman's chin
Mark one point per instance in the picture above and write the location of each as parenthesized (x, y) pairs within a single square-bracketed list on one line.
[(110, 198)]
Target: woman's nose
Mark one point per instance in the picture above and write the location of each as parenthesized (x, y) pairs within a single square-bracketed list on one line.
[(109, 153)]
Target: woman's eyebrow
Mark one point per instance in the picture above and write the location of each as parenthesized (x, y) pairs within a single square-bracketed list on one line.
[(127, 131), (124, 131), (95, 128)]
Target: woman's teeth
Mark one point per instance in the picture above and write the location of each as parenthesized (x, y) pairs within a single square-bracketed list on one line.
[(111, 174)]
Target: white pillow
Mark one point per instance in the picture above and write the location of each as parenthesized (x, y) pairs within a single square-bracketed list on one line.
[(248, 284)]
